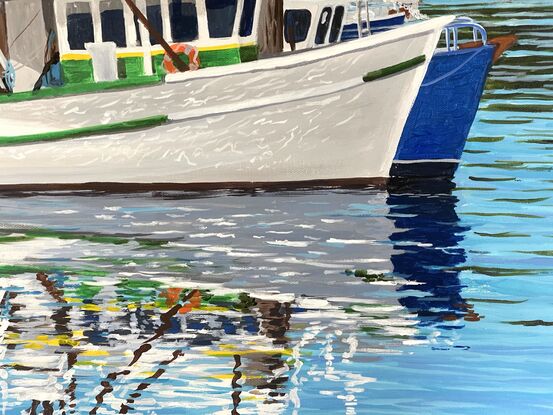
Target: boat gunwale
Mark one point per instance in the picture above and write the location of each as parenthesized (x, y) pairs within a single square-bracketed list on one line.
[(309, 56), (260, 65)]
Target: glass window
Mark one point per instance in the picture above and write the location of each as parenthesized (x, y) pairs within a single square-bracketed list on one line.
[(322, 28), (184, 20), (336, 24), (153, 13), (137, 29), (79, 25), (296, 25), (246, 22), (220, 17), (113, 22)]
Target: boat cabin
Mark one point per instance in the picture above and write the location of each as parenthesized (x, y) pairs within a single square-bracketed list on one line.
[(314, 23), (223, 31)]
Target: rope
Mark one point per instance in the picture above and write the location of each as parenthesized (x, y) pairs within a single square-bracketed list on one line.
[(435, 81)]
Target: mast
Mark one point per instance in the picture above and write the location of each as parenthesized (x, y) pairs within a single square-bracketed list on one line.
[(271, 27), (181, 66), (4, 30)]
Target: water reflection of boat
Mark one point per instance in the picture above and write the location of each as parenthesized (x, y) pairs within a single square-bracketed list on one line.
[(427, 239), (257, 323)]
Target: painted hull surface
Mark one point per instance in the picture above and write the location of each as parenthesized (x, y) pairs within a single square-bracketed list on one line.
[(293, 118), (434, 136)]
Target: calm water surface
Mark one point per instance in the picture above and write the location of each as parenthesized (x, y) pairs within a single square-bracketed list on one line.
[(365, 301)]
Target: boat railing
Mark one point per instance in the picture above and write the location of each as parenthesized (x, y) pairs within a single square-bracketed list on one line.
[(452, 32)]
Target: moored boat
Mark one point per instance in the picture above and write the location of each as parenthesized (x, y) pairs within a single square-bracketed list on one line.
[(293, 117), (435, 134)]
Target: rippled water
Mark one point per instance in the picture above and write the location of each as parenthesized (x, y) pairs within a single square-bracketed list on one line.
[(402, 301)]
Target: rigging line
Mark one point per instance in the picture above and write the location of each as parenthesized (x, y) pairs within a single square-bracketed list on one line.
[(25, 28)]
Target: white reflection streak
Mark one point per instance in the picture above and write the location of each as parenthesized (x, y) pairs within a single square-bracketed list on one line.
[(296, 354), (3, 373)]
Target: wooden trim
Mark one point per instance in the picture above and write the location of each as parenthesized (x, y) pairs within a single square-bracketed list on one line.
[(391, 70), (502, 43)]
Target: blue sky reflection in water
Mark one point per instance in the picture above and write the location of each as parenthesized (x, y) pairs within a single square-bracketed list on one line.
[(404, 301)]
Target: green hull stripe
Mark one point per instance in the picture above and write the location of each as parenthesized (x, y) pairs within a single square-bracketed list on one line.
[(86, 131), (391, 70)]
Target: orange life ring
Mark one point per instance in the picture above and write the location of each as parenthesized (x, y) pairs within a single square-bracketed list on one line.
[(188, 50)]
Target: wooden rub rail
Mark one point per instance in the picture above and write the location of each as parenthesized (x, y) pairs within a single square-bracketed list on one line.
[(391, 70)]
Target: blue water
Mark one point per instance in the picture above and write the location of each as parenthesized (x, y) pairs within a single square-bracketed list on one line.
[(408, 300)]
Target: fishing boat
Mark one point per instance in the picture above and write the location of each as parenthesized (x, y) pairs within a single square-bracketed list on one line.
[(438, 125), (436, 131), (241, 118)]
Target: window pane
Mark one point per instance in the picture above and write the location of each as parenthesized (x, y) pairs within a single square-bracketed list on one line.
[(153, 13), (296, 24), (220, 17), (113, 22), (246, 22), (322, 28), (184, 20), (79, 25), (336, 24), (137, 29)]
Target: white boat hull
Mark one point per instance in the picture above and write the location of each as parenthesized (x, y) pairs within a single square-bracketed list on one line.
[(299, 117)]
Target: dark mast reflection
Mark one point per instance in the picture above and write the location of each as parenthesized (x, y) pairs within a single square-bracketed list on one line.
[(427, 240)]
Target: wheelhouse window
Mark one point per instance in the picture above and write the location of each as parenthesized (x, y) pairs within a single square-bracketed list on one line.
[(184, 20), (322, 27), (153, 13), (246, 21), (113, 22), (336, 24), (137, 30), (296, 25), (220, 17), (79, 25)]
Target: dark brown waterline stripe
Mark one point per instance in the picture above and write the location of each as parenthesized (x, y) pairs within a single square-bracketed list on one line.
[(118, 187)]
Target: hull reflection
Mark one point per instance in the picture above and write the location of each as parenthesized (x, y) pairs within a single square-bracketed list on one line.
[(260, 303)]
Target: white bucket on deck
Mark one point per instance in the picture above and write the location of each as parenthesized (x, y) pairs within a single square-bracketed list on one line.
[(104, 60)]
